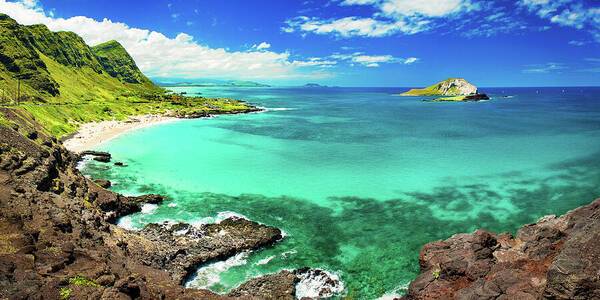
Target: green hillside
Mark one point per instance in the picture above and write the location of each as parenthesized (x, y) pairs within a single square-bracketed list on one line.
[(117, 62), (63, 82)]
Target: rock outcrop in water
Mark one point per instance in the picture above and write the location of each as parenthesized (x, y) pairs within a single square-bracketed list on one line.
[(452, 89), (555, 258), (57, 240)]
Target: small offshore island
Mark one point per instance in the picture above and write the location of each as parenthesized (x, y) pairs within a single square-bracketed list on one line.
[(452, 90)]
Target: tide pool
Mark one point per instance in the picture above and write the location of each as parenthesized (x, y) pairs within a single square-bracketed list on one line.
[(360, 179)]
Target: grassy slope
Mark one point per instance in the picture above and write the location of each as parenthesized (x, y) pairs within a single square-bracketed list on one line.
[(86, 96), (452, 98), (67, 83), (432, 90)]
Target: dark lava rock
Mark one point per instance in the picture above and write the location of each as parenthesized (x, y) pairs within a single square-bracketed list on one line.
[(275, 286), (120, 164), (95, 153), (555, 258), (103, 159), (477, 97), (181, 248), (103, 183), (115, 206), (304, 283), (98, 155), (32, 135)]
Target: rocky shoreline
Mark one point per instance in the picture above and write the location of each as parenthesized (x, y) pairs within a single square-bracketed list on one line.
[(58, 239), (555, 258)]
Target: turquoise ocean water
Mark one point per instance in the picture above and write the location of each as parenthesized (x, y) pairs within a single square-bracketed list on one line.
[(360, 179)]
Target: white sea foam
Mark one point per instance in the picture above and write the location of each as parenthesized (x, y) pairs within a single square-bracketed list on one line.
[(126, 222), (396, 293), (288, 253), (210, 274), (228, 214), (283, 233), (265, 261), (318, 284), (280, 109), (149, 208), (172, 204), (202, 221), (216, 219)]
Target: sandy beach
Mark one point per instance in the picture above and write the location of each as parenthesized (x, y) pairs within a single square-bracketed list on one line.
[(93, 134)]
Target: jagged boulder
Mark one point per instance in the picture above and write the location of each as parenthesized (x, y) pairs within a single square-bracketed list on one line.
[(555, 258)]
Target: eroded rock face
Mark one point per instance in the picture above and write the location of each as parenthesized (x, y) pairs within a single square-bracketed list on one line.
[(276, 286), (181, 248), (556, 258), (304, 283), (456, 87)]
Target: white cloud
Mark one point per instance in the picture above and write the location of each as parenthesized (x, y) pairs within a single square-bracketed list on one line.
[(430, 8), (358, 2), (372, 61), (544, 68), (353, 26), (316, 62), (392, 17), (160, 56), (578, 43), (568, 13), (410, 60), (261, 46)]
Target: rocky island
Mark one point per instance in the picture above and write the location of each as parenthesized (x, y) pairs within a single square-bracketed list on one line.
[(452, 89)]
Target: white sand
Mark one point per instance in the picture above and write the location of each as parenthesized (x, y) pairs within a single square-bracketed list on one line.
[(93, 134)]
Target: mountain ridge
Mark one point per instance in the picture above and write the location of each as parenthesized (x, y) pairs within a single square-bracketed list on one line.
[(26, 49)]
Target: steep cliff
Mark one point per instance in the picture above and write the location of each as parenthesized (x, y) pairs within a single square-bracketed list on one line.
[(52, 66), (118, 63)]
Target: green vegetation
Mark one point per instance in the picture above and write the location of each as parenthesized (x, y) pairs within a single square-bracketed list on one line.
[(65, 293), (448, 87), (82, 281), (58, 80), (436, 274), (4, 121), (452, 98), (117, 62)]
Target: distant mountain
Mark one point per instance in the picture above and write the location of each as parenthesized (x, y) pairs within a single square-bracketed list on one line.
[(59, 66), (211, 83), (448, 87), (313, 85)]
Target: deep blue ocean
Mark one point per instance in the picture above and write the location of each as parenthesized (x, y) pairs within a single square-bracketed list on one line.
[(359, 178)]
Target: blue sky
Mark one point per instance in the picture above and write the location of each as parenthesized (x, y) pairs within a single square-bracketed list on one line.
[(342, 42)]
